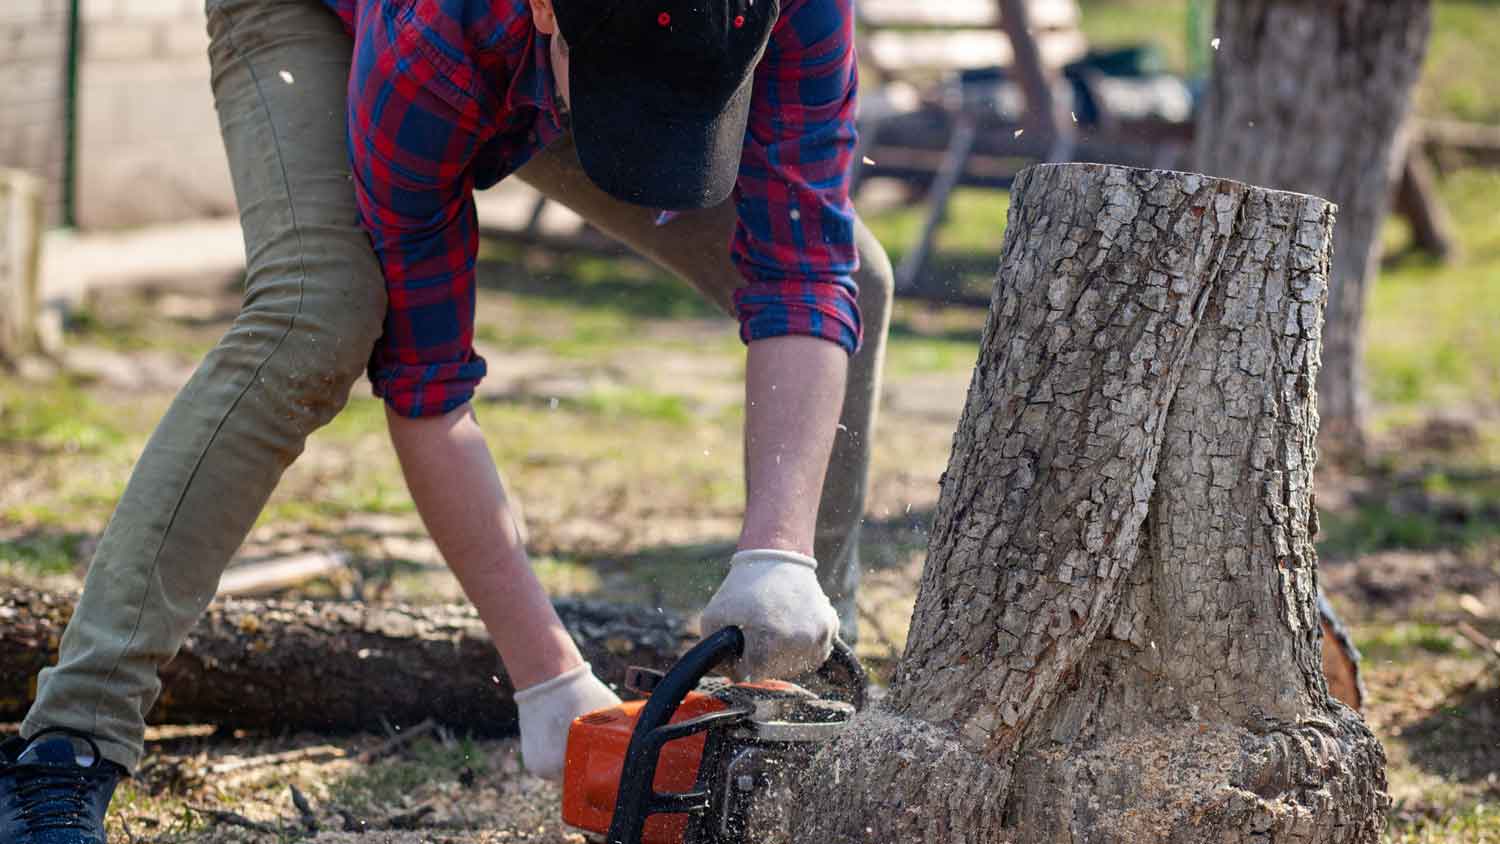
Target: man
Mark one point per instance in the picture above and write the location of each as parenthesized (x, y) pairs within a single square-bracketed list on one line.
[(713, 136)]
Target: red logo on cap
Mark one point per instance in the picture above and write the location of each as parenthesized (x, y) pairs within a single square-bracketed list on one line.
[(664, 19)]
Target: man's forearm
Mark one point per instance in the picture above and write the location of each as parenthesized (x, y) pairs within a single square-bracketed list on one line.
[(458, 492), (794, 389)]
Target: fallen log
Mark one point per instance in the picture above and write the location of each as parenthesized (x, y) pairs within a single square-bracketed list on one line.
[(336, 666)]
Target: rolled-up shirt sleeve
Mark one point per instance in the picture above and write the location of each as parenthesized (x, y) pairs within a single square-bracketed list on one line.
[(413, 131), (794, 243)]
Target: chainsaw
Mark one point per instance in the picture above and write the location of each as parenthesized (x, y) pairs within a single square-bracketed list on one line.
[(702, 761)]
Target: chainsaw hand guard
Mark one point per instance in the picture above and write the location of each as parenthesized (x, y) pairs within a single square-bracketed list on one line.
[(718, 787), (634, 805)]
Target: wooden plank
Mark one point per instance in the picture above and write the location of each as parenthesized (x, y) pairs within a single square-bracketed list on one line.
[(260, 579), (21, 219), (1043, 14), (1418, 201), (1475, 141), (952, 51)]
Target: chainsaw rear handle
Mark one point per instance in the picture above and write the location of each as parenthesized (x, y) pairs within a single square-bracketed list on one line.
[(637, 798)]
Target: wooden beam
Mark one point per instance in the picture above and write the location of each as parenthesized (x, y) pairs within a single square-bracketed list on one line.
[(268, 577), (1418, 201), (21, 221)]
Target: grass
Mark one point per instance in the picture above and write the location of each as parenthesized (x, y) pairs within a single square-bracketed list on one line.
[(377, 788), (42, 552), (1431, 327), (63, 418), (1401, 642), (1378, 526), (1479, 824)]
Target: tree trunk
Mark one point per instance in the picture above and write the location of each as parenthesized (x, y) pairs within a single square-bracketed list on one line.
[(336, 666), (1312, 97), (1116, 637)]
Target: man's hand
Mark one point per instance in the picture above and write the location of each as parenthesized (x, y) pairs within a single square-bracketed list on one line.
[(775, 600), (548, 709)]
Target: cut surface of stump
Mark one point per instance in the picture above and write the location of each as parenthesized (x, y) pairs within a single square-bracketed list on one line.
[(1116, 637)]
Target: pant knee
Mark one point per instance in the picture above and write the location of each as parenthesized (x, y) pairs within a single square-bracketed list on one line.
[(315, 367)]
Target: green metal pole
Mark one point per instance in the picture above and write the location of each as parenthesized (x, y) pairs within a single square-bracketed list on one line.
[(70, 121)]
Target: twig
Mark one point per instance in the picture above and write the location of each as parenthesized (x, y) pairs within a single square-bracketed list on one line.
[(309, 818), (235, 819), (1479, 640), (410, 820), (307, 754), (393, 744), (351, 823)]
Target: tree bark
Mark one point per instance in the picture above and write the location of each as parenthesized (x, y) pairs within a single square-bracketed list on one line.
[(1312, 97), (337, 666), (1116, 637)]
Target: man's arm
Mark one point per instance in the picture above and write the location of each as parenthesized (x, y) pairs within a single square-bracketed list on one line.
[(415, 130), (794, 388), (795, 247)]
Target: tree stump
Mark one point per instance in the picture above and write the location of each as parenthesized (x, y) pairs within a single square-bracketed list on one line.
[(1116, 637)]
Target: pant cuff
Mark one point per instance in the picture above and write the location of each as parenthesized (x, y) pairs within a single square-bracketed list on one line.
[(125, 755)]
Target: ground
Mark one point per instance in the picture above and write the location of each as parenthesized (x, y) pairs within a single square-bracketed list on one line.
[(613, 405)]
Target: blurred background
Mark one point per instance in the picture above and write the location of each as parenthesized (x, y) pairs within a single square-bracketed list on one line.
[(614, 399)]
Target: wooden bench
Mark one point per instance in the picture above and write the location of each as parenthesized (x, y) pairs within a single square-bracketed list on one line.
[(942, 136)]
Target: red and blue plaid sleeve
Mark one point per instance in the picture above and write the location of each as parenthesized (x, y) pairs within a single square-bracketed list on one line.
[(795, 239), (414, 127)]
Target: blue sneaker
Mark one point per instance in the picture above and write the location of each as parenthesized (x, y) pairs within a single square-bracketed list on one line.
[(54, 789)]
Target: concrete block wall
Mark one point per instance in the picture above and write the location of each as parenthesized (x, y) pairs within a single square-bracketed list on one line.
[(33, 62), (148, 138)]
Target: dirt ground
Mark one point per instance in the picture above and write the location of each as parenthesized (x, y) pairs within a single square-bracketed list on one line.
[(581, 404)]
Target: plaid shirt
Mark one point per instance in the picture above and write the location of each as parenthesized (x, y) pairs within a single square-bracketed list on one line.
[(450, 96)]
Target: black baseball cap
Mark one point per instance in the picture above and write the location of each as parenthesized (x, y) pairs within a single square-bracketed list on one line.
[(660, 93)]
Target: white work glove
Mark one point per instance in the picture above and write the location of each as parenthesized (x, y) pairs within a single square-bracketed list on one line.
[(775, 600), (548, 709)]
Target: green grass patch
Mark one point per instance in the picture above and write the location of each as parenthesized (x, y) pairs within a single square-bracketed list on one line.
[(57, 416), (1459, 80), (615, 402), (1377, 526), (1405, 641), (681, 578), (1477, 824), (1431, 337), (42, 553), (626, 286), (377, 788)]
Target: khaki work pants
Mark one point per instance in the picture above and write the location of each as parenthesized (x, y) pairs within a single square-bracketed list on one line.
[(313, 308)]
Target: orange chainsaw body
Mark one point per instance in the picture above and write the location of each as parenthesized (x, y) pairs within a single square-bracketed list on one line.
[(596, 755)]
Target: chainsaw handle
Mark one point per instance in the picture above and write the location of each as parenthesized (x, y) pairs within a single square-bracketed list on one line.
[(637, 798), (844, 671)]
